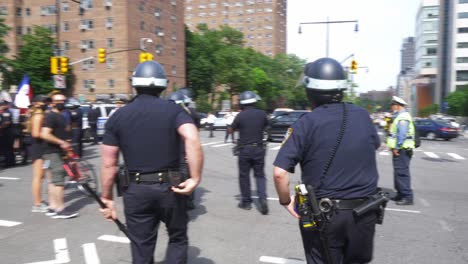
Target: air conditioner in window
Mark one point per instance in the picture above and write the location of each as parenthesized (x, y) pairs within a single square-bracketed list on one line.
[(108, 25), (108, 4), (161, 34), (84, 46), (84, 67), (92, 86), (173, 3), (83, 27), (157, 14)]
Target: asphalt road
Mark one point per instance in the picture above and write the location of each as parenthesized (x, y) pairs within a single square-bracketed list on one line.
[(434, 230)]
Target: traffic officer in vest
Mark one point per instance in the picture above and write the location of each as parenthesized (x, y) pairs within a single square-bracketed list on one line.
[(251, 123), (401, 140), (76, 117), (148, 131), (335, 146)]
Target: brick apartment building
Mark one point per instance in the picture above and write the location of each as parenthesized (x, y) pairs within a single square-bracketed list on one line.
[(111, 24), (263, 22)]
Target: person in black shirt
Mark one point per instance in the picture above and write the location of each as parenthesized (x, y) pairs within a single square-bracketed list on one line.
[(7, 136), (54, 134), (156, 192), (335, 145), (251, 123)]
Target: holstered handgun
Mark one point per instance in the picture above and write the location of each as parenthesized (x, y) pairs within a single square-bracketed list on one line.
[(376, 202), (122, 180)]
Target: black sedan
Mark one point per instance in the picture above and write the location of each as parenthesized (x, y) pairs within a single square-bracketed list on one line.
[(279, 125), (433, 129)]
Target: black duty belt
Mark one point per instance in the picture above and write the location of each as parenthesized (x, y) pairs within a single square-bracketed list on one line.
[(150, 177), (251, 145), (341, 204)]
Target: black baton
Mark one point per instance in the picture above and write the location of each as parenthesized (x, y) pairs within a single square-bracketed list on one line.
[(119, 224)]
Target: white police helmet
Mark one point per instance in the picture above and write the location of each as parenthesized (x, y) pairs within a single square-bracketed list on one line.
[(398, 100), (149, 74), (248, 97)]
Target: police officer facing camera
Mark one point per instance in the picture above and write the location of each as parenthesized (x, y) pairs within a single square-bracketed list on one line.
[(335, 146), (148, 131), (251, 123)]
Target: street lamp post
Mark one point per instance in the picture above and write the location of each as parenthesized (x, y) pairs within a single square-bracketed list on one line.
[(327, 23)]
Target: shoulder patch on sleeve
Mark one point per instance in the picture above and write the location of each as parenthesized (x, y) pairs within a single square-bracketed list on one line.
[(287, 135)]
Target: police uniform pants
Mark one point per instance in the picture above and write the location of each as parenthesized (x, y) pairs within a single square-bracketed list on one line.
[(6, 149), (252, 157), (401, 174), (77, 141), (146, 205), (350, 239)]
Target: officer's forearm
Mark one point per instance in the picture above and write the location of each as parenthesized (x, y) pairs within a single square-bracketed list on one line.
[(194, 154), (108, 170), (281, 178)]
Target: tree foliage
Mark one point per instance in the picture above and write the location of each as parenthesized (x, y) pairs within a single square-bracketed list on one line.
[(429, 110), (217, 58), (33, 58), (458, 103)]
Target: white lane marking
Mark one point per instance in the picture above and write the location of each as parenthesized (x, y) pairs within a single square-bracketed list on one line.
[(456, 156), (268, 198), (275, 148), (431, 155), (384, 153), (445, 226), (221, 145), (117, 239), (424, 202), (90, 254), (9, 178), (402, 210), (211, 143), (9, 223), (61, 251), (275, 260)]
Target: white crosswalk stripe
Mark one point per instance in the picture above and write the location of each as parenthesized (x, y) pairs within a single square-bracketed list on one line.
[(455, 156), (431, 155), (211, 143)]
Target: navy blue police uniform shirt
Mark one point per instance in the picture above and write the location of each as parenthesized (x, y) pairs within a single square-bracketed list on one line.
[(250, 123), (146, 132), (310, 140)]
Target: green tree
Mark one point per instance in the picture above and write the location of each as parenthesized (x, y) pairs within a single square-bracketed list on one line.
[(33, 58), (3, 46), (458, 103), (429, 110)]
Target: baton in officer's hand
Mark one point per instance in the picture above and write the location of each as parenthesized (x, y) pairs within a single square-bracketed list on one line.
[(119, 224)]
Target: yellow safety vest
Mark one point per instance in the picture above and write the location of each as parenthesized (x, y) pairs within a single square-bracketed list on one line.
[(392, 137)]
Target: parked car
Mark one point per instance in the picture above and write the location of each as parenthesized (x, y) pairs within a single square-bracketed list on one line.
[(280, 111), (279, 125), (220, 121), (433, 129)]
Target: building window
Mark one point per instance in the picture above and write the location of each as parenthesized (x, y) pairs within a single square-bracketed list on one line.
[(87, 44), (463, 1), (89, 84), (19, 30), (111, 83), (65, 7), (462, 45), (65, 27), (3, 10), (87, 4), (462, 59), (463, 15), (87, 23), (66, 45), (174, 51), (110, 63), (157, 13), (159, 49), (142, 6), (109, 22), (28, 12), (142, 25), (174, 70), (174, 36), (110, 43), (462, 76), (89, 65), (28, 30), (463, 30)]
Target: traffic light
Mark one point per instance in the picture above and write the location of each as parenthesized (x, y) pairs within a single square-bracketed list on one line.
[(54, 65), (145, 56), (354, 66), (102, 55), (63, 65)]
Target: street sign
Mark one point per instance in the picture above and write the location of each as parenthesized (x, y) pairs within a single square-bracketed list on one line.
[(59, 82)]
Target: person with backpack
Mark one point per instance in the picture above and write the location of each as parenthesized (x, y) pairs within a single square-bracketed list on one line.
[(402, 140)]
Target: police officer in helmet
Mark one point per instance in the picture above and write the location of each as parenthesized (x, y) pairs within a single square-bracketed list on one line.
[(335, 146), (187, 93), (148, 131), (251, 122)]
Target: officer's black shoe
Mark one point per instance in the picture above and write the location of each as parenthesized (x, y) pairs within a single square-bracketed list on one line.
[(404, 201), (263, 207), (245, 206)]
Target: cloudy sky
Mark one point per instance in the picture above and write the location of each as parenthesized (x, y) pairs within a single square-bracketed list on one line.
[(383, 24)]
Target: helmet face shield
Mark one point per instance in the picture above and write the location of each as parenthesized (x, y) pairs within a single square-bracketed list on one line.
[(325, 85), (148, 82)]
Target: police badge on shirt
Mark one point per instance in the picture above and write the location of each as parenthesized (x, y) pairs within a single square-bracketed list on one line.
[(287, 135)]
